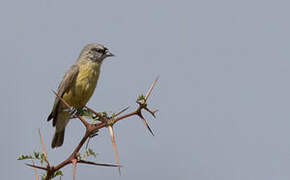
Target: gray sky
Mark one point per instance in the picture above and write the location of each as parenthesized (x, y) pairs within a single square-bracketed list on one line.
[(223, 93)]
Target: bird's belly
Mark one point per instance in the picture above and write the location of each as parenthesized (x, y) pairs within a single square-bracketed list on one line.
[(83, 89)]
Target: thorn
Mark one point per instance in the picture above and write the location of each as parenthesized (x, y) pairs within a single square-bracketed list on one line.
[(34, 171), (151, 112), (123, 110), (34, 166), (111, 131), (151, 88), (43, 148), (74, 166), (145, 123), (62, 100), (98, 164)]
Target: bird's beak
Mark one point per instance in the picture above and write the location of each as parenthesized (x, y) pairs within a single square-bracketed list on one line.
[(109, 54)]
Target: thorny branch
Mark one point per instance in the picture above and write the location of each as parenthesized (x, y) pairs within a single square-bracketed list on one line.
[(93, 127)]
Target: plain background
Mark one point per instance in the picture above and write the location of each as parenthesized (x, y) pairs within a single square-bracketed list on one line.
[(223, 95)]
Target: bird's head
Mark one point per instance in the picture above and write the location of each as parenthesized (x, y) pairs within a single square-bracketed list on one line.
[(95, 52)]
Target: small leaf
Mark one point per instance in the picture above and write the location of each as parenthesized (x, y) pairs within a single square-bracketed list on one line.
[(88, 152), (86, 113), (141, 97), (42, 158), (57, 173), (43, 176), (91, 152), (36, 155), (104, 114), (22, 157)]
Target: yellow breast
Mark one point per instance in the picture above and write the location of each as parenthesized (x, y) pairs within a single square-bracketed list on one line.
[(84, 86)]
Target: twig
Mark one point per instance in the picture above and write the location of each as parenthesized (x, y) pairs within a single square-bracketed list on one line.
[(90, 128)]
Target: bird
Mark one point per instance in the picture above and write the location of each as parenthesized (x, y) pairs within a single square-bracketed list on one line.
[(76, 88)]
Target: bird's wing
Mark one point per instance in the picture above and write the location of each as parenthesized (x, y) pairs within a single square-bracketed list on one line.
[(64, 86)]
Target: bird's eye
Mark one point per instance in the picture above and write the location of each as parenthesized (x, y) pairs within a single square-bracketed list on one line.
[(98, 50)]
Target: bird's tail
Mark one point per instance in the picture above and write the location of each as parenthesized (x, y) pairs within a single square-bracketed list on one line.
[(58, 138)]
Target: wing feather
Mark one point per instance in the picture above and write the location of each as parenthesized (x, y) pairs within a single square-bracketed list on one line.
[(64, 86)]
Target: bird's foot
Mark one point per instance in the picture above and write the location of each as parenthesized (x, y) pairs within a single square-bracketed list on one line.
[(72, 111)]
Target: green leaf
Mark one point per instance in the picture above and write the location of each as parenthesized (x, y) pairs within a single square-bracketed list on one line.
[(141, 97), (104, 114), (57, 173), (22, 157), (91, 152), (88, 152), (42, 158), (43, 176), (87, 113), (36, 155)]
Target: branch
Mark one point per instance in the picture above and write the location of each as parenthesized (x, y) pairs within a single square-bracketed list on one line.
[(93, 127)]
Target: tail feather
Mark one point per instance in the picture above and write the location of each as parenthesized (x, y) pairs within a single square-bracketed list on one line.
[(58, 138)]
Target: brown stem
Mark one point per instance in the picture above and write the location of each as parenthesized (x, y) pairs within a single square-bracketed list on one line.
[(74, 153), (90, 128)]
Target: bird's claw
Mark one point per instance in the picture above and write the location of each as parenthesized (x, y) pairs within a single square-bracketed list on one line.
[(72, 111)]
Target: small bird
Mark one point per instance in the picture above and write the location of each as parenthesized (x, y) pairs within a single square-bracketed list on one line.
[(76, 87)]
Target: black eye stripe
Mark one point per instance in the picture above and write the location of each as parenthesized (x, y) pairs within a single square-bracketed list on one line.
[(98, 50)]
